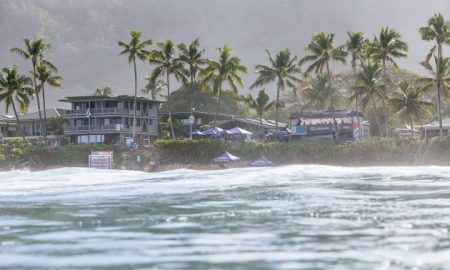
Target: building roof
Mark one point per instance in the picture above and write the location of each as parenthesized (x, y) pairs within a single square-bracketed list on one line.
[(5, 118), (227, 118), (51, 113), (325, 114), (186, 114), (435, 125), (255, 122), (94, 97)]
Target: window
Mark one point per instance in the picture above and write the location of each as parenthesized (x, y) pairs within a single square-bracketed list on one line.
[(150, 122), (93, 138), (111, 104), (107, 121)]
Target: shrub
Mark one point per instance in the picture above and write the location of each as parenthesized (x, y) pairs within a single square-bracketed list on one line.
[(189, 151)]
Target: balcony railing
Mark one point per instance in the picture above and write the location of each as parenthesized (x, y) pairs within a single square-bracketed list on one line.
[(95, 128), (101, 129), (102, 111)]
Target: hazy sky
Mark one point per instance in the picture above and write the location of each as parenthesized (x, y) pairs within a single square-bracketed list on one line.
[(84, 33)]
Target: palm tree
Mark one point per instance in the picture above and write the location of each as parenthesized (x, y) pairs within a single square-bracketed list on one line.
[(45, 75), (355, 45), (261, 105), (154, 89), (385, 48), (369, 86), (439, 31), (282, 69), (104, 91), (323, 51), (15, 88), (226, 69), (440, 77), (34, 51), (135, 48), (319, 92), (167, 64), (409, 104), (192, 57)]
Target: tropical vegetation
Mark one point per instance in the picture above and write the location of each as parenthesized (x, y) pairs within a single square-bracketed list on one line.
[(226, 69), (374, 83), (15, 88), (167, 64), (104, 91), (136, 48), (283, 70), (46, 75)]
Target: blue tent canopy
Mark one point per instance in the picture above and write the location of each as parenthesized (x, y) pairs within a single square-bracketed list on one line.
[(225, 157), (262, 161), (215, 131)]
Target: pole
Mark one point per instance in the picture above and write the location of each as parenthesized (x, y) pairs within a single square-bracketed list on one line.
[(190, 133), (89, 131)]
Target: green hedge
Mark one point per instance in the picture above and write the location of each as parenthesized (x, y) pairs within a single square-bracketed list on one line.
[(16, 152), (188, 151), (376, 151)]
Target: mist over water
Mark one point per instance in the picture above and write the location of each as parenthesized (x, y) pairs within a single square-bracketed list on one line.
[(292, 217)]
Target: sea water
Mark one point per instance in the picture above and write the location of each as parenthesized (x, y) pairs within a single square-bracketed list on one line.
[(293, 217)]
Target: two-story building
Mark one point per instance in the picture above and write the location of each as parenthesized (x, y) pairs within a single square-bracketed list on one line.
[(30, 125), (109, 119)]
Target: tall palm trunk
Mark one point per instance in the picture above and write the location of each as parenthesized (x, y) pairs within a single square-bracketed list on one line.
[(169, 104), (45, 114), (438, 86), (135, 98), (333, 110), (384, 100), (17, 121), (218, 105), (192, 89), (357, 102), (37, 98), (262, 127), (276, 108), (412, 126), (192, 97), (375, 114)]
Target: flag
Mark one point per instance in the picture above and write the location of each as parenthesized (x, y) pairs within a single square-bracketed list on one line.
[(88, 113)]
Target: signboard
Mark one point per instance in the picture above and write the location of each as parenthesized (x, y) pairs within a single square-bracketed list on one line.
[(346, 127), (101, 160), (319, 129), (300, 130)]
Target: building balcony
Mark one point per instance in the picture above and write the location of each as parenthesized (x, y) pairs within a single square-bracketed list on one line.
[(101, 111), (84, 129)]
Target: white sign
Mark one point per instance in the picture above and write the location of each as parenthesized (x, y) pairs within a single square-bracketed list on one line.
[(101, 160)]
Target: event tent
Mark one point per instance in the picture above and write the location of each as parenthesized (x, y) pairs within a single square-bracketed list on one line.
[(262, 161), (225, 157), (239, 131)]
